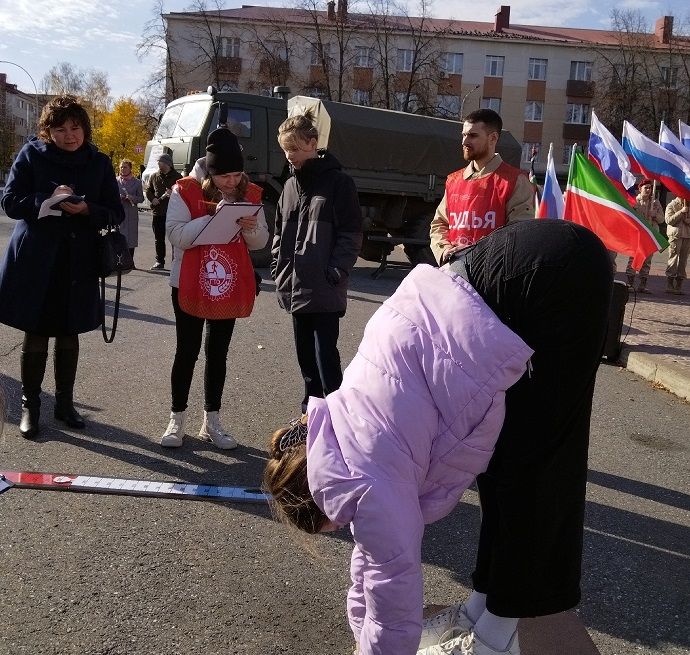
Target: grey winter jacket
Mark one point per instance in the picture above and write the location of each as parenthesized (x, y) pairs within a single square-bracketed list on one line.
[(318, 236)]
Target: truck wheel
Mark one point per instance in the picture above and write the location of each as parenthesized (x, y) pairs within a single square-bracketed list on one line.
[(262, 258), (420, 255), (374, 251)]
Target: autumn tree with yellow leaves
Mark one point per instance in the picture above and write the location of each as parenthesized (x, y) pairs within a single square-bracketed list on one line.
[(123, 133)]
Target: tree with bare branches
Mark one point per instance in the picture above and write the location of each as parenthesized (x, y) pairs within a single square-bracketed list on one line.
[(637, 80), (161, 85)]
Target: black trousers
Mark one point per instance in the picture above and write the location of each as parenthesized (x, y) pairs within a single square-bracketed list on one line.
[(159, 238), (316, 343), (189, 330), (550, 281)]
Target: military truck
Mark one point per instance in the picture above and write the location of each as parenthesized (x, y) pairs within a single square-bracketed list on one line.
[(399, 161)]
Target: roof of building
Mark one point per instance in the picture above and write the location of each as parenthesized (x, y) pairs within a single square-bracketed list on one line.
[(477, 29)]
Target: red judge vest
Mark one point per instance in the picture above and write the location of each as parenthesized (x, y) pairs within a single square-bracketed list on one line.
[(475, 208)]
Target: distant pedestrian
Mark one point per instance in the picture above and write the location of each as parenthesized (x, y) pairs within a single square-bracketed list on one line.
[(318, 235), (678, 221), (483, 196), (651, 209), (131, 194), (48, 276), (158, 193)]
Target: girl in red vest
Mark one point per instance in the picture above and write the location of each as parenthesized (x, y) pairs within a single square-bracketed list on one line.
[(192, 204)]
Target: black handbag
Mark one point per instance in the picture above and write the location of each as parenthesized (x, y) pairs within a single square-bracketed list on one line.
[(114, 259)]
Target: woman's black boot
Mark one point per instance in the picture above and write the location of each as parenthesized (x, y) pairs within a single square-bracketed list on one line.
[(33, 367), (65, 374)]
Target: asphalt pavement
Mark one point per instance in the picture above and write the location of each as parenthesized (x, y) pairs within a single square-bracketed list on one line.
[(123, 575)]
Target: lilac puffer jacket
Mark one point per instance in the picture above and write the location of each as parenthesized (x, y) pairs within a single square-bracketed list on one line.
[(415, 420)]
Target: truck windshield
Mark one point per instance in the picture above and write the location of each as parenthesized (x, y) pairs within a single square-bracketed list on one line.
[(185, 119)]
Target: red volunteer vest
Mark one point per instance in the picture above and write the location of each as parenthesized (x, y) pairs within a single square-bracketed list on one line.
[(475, 208), (216, 281)]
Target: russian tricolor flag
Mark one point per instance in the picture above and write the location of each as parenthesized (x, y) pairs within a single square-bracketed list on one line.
[(684, 133), (671, 142), (656, 162), (610, 158), (551, 203)]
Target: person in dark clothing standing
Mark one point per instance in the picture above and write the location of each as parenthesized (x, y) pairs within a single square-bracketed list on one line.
[(318, 236), (158, 193), (49, 274)]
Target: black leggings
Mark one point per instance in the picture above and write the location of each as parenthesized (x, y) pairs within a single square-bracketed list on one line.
[(550, 282), (37, 343), (189, 330)]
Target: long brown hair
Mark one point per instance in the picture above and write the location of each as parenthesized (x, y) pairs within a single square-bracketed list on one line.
[(285, 479)]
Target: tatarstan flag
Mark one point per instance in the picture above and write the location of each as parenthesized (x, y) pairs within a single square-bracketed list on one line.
[(591, 200)]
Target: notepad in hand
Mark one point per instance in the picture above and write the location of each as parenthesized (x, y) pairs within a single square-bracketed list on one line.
[(224, 224), (51, 206)]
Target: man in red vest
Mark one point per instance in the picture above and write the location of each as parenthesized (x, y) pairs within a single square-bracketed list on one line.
[(485, 195)]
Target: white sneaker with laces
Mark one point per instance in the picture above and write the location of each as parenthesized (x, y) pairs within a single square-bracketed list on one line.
[(448, 644), (472, 645), (435, 627), (212, 430), (174, 433)]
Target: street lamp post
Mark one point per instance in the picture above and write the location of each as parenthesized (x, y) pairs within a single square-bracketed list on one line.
[(462, 102), (3, 61)]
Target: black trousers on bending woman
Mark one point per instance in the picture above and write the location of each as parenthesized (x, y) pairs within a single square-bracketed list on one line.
[(549, 281), (190, 330)]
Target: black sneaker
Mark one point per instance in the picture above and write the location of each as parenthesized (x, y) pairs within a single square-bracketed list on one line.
[(157, 266)]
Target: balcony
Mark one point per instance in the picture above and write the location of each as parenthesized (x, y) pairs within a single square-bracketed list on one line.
[(579, 89), (229, 66)]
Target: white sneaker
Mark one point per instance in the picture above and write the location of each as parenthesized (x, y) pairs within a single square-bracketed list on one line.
[(452, 618), (174, 433), (212, 430), (472, 645), (448, 644)]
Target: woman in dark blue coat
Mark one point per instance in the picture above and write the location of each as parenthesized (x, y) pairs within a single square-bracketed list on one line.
[(49, 274)]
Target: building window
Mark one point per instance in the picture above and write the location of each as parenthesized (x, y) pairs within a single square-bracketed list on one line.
[(530, 150), (567, 154), (534, 111), (494, 66), (537, 69), (403, 103), (316, 92), (317, 52), (491, 103), (229, 47), (277, 49), (364, 57), (451, 63), (405, 60), (449, 105), (669, 76), (581, 70), (361, 97), (577, 113)]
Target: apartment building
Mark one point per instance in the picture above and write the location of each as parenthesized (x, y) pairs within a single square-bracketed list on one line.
[(18, 120), (542, 80)]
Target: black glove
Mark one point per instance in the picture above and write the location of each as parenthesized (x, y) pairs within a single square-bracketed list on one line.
[(334, 275)]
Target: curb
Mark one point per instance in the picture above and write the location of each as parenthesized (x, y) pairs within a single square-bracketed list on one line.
[(671, 376)]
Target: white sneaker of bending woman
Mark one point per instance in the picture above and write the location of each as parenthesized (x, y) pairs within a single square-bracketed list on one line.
[(174, 433), (212, 430), (453, 620)]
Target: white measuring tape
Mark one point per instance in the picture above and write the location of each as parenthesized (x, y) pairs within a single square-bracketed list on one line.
[(122, 486)]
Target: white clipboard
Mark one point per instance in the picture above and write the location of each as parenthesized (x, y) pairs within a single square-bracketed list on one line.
[(224, 226)]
